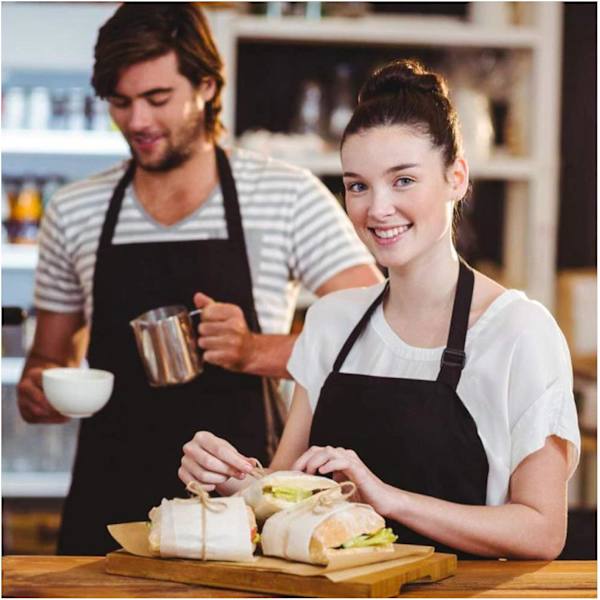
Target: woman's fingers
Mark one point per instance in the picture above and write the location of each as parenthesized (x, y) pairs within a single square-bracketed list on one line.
[(302, 461), (215, 455), (186, 477), (200, 474), (335, 464)]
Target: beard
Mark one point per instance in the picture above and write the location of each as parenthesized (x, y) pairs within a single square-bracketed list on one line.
[(180, 146)]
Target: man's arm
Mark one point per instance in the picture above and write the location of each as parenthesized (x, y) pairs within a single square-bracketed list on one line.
[(60, 341), (228, 343)]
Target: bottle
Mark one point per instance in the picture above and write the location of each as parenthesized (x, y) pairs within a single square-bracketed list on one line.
[(342, 102), (58, 120), (26, 213), (76, 109), (96, 114), (309, 118), (5, 212), (40, 108), (13, 108), (49, 187)]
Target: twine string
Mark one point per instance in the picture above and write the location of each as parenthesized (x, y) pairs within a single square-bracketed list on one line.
[(324, 500), (207, 503), (259, 471)]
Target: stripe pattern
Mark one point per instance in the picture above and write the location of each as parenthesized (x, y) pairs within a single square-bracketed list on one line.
[(296, 233)]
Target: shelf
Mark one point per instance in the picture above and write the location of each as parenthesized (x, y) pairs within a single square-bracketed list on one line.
[(35, 485), (88, 143), (19, 256), (94, 143), (12, 367), (499, 167), (377, 30)]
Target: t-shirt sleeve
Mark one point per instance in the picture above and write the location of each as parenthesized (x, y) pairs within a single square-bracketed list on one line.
[(324, 242), (57, 285), (540, 392)]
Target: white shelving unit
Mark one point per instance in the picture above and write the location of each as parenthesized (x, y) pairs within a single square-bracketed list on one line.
[(385, 30), (35, 485), (16, 257), (92, 143)]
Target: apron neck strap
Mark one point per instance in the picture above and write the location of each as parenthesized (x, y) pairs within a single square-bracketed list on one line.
[(235, 231), (339, 361), (114, 207), (454, 357)]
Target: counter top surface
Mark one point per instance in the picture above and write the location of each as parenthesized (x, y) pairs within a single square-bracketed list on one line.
[(79, 577)]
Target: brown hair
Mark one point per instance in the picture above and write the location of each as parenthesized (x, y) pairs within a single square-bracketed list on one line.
[(140, 31), (403, 92)]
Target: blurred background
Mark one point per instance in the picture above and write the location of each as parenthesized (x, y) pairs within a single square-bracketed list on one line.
[(522, 76)]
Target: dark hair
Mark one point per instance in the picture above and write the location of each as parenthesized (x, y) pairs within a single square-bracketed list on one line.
[(403, 92), (140, 31)]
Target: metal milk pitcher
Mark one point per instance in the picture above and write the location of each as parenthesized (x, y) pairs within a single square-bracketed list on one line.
[(167, 344)]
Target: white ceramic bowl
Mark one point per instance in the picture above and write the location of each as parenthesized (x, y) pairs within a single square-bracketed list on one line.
[(77, 392)]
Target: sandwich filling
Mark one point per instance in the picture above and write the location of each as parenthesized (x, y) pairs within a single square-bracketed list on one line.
[(377, 538), (289, 493)]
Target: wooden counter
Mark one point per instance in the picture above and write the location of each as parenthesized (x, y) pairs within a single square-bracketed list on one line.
[(80, 577)]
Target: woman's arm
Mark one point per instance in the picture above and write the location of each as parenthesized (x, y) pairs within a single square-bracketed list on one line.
[(532, 525)]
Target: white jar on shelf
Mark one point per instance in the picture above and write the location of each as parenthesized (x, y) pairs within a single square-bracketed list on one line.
[(13, 110), (40, 108)]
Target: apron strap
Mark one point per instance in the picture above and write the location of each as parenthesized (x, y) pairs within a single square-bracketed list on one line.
[(454, 357), (114, 207), (235, 231), (339, 361)]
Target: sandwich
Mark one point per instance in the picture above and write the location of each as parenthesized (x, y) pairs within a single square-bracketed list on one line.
[(203, 528), (309, 534), (282, 490)]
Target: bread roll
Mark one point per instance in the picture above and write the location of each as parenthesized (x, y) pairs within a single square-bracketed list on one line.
[(314, 534), (342, 527), (266, 504)]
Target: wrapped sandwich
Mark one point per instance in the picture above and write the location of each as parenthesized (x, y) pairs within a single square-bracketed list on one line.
[(314, 532), (203, 528), (282, 490)]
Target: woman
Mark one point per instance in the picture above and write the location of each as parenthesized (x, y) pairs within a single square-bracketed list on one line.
[(444, 397)]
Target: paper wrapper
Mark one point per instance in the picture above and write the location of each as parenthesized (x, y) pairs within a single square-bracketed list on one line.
[(133, 537), (288, 534), (227, 535), (265, 505)]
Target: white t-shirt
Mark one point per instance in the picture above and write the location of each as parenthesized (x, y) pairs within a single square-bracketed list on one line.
[(517, 382), (295, 232)]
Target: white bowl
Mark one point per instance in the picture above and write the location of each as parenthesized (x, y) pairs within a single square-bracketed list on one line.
[(77, 392)]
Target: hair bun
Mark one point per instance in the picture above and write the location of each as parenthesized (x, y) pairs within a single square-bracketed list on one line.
[(401, 75)]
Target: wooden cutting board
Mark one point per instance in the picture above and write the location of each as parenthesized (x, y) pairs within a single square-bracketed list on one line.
[(384, 583)]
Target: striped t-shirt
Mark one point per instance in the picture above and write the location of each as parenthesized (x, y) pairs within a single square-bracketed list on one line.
[(295, 231)]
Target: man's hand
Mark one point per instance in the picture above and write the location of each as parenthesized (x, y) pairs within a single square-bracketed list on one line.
[(224, 335), (33, 404)]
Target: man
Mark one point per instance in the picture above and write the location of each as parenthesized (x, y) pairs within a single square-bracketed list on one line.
[(181, 222)]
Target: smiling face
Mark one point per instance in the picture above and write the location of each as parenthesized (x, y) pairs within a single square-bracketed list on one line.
[(159, 112), (399, 195)]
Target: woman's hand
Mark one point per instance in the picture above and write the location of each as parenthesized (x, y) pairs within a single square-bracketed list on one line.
[(346, 465), (211, 461)]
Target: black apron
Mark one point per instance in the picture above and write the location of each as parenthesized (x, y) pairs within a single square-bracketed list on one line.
[(415, 435), (129, 453)]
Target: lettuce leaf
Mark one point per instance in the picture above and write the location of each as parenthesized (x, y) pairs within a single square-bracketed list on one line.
[(291, 494), (379, 538)]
